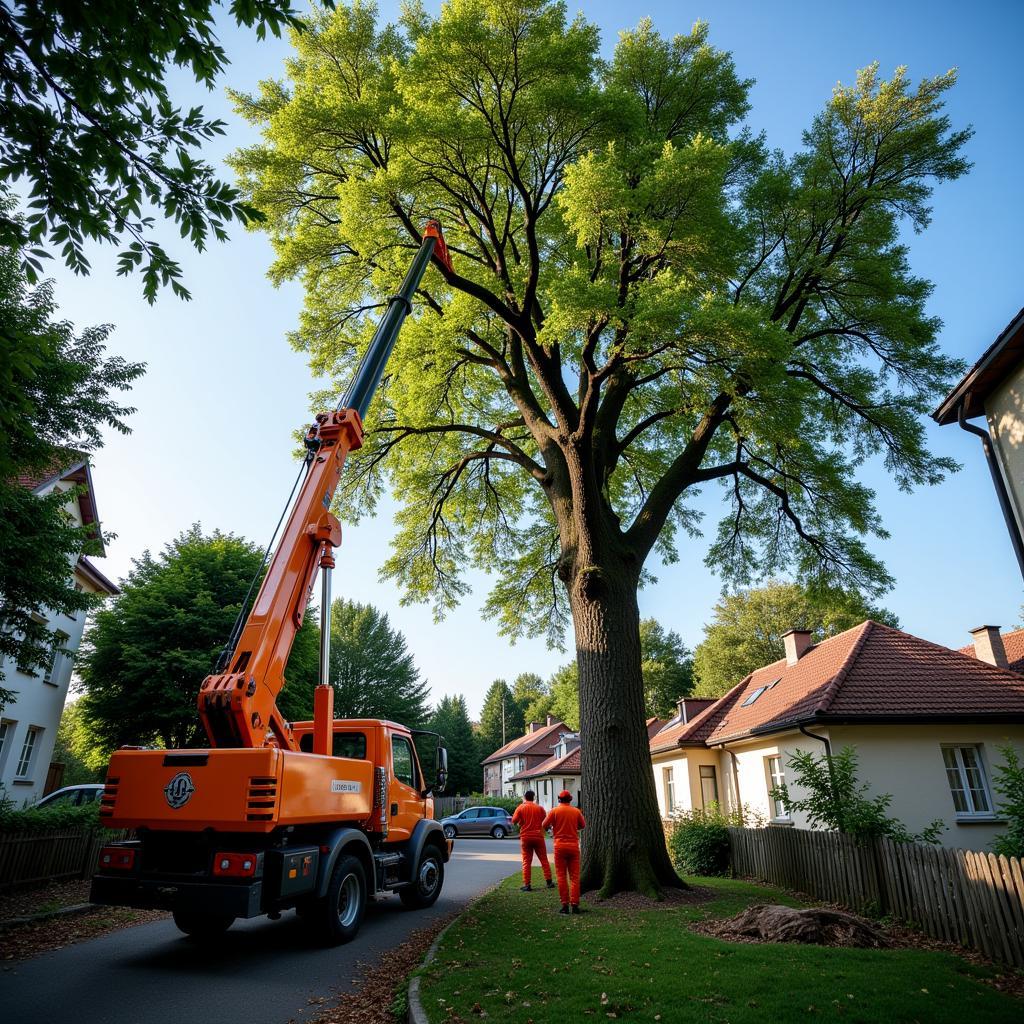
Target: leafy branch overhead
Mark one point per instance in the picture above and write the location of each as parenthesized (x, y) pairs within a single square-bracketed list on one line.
[(90, 132), (647, 299)]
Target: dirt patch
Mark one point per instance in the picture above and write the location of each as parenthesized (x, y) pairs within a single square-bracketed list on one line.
[(25, 902), (381, 987), (28, 940), (696, 894), (816, 926)]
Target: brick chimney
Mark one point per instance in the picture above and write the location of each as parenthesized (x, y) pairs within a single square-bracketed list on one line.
[(534, 726), (551, 719), (988, 646), (797, 641)]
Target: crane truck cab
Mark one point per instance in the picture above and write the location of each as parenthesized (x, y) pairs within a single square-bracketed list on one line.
[(229, 833)]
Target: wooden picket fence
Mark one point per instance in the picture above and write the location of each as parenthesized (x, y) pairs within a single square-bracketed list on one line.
[(974, 899), (30, 858)]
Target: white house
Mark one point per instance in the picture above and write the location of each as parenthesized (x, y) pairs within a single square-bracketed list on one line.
[(526, 751), (927, 724), (28, 726), (559, 771)]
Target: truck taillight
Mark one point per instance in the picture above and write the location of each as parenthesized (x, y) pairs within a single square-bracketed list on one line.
[(117, 858), (234, 865)]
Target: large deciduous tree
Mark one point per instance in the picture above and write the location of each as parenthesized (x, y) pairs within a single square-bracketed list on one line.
[(372, 672), (645, 300), (747, 628)]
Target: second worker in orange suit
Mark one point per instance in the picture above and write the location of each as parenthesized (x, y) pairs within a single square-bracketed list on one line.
[(528, 816), (565, 822)]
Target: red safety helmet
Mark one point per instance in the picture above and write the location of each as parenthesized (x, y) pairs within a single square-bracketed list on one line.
[(565, 797)]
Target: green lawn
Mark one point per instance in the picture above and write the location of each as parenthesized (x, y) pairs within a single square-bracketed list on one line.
[(514, 959)]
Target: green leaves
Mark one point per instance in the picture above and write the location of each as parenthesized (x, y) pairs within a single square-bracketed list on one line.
[(646, 300), (89, 126)]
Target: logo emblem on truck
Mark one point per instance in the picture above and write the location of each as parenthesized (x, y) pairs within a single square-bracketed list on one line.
[(179, 789)]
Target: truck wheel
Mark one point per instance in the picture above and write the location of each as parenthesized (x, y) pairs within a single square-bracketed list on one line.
[(423, 890), (200, 927), (498, 832), (341, 910)]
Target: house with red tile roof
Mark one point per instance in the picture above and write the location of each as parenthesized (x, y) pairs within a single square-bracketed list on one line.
[(926, 722), (560, 771), (28, 725), (527, 751)]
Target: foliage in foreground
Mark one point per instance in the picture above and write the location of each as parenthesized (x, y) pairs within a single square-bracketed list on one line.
[(834, 798), (1008, 782), (514, 959), (47, 819)]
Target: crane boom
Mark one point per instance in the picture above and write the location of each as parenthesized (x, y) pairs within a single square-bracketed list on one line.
[(238, 706)]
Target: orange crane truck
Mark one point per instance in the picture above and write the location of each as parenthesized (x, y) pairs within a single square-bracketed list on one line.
[(271, 815)]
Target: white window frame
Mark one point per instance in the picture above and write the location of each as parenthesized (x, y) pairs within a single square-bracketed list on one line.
[(57, 649), (959, 772), (7, 729), (776, 773), (668, 778), (29, 746)]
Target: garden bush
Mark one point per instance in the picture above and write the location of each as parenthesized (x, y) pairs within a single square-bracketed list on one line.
[(47, 819), (699, 841)]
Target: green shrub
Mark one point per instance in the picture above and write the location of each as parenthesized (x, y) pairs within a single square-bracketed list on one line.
[(48, 819), (699, 841), (506, 803), (1008, 781)]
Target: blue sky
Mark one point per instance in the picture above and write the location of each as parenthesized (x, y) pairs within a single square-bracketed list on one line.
[(211, 439)]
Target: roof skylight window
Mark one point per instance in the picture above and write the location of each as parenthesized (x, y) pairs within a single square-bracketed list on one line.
[(753, 696)]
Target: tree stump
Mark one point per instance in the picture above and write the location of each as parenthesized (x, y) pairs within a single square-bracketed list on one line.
[(816, 926)]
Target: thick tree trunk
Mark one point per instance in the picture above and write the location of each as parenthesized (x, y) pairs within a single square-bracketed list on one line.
[(624, 843)]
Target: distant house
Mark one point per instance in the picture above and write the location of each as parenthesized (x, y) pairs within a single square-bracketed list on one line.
[(994, 388), (28, 726), (526, 751), (926, 722), (559, 771)]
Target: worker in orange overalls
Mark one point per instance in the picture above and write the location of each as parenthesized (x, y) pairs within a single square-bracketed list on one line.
[(528, 816), (565, 822)]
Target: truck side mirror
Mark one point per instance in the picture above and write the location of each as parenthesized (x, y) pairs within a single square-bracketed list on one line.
[(442, 770)]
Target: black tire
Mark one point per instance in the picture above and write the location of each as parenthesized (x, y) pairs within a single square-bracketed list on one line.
[(423, 890), (449, 832), (200, 927), (340, 912), (499, 832)]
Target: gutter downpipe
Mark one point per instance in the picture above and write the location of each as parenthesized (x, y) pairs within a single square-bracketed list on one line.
[(997, 479), (736, 786)]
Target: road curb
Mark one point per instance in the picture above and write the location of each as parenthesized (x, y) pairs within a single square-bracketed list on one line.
[(415, 1014), (78, 908)]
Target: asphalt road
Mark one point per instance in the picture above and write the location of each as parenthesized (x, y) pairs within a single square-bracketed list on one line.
[(263, 972)]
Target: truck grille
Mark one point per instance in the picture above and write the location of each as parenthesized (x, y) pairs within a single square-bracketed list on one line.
[(109, 797), (261, 798)]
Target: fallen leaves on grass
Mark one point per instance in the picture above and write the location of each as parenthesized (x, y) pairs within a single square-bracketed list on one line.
[(25, 902)]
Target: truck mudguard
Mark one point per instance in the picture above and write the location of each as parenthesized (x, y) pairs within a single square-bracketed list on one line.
[(424, 830), (341, 839)]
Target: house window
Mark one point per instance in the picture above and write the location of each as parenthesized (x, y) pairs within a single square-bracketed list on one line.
[(670, 790), (6, 739), (967, 783), (708, 785), (57, 651), (776, 779), (27, 749)]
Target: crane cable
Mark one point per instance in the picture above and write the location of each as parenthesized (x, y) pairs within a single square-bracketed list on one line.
[(236, 630)]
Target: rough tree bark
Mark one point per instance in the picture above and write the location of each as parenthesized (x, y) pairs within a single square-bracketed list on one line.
[(623, 844)]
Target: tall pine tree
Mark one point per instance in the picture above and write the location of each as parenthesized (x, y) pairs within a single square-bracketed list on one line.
[(451, 720)]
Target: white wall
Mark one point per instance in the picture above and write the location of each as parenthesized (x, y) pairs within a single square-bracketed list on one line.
[(39, 703), (1005, 412), (677, 761), (902, 761)]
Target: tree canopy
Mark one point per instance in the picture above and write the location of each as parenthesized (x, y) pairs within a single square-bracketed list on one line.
[(646, 300), (57, 394), (372, 672), (746, 630), (89, 124), (451, 719), (502, 718), (143, 658)]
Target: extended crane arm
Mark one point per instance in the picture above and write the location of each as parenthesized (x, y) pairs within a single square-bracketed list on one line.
[(238, 705)]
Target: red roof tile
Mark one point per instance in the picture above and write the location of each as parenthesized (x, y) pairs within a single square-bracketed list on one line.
[(1014, 644), (525, 744), (871, 672), (568, 764), (695, 732)]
